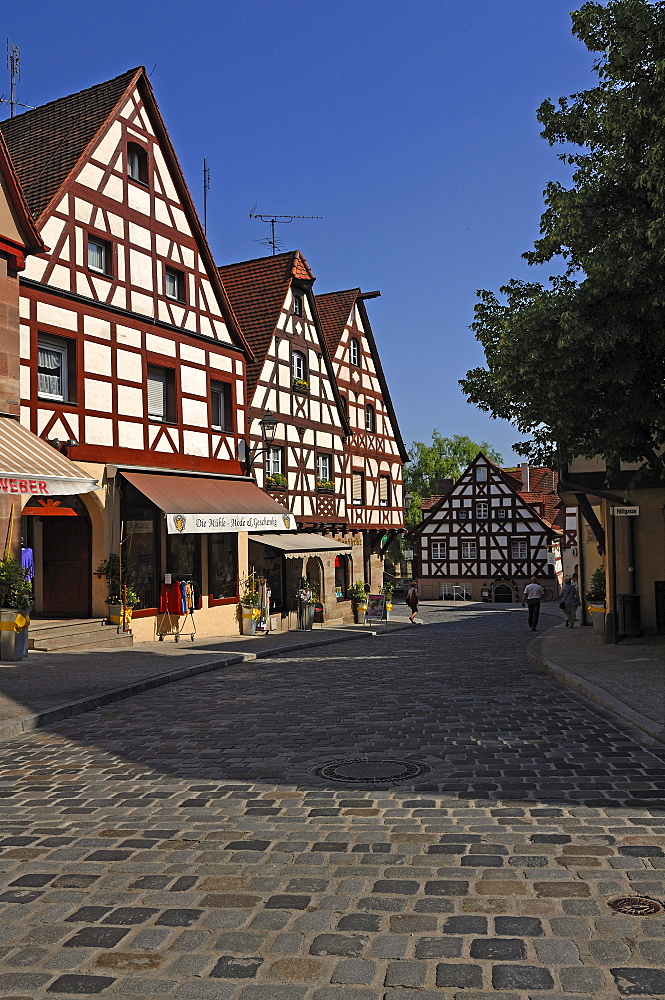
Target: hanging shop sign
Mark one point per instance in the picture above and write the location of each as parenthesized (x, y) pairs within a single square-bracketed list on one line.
[(203, 524)]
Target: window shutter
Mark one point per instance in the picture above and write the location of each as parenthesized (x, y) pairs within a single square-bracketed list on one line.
[(156, 394), (384, 483), (357, 487)]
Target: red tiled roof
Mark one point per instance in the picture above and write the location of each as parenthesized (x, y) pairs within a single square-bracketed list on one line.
[(257, 290), (46, 143), (334, 309)]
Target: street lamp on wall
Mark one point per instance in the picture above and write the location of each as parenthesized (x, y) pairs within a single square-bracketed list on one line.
[(268, 425)]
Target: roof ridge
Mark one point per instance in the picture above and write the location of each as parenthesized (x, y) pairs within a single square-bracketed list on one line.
[(77, 93)]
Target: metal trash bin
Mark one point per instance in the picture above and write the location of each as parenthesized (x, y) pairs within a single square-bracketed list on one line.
[(629, 621)]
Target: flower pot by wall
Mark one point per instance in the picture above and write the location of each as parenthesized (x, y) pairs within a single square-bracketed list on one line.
[(116, 616), (249, 621), (14, 633), (597, 611), (359, 612)]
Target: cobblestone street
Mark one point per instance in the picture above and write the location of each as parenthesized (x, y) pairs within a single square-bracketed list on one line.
[(196, 842)]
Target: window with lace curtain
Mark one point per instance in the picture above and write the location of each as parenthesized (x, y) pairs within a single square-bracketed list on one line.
[(53, 368)]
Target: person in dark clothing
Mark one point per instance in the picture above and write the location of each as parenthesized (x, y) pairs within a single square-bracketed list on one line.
[(412, 601)]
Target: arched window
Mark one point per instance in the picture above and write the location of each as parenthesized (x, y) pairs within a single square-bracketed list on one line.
[(298, 367), (370, 419), (137, 163), (354, 351)]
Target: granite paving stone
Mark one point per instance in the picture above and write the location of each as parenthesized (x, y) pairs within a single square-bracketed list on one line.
[(182, 844)]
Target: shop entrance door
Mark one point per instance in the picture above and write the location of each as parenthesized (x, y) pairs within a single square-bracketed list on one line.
[(66, 566)]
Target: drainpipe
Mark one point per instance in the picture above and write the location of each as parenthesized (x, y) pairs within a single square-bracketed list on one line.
[(632, 576)]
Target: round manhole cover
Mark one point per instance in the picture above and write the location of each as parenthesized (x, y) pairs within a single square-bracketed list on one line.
[(637, 906), (378, 771)]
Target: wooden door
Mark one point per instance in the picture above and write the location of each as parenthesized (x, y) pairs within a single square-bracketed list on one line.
[(66, 566)]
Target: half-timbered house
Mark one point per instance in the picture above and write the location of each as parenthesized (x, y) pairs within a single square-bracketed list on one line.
[(375, 452), (132, 363), (489, 533), (304, 468)]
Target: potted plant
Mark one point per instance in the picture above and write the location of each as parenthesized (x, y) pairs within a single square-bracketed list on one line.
[(301, 384), (15, 604), (325, 485), (306, 597), (358, 595), (117, 578), (387, 589), (250, 604), (595, 597), (275, 482)]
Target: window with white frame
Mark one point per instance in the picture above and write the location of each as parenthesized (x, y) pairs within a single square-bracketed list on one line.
[(469, 550), (370, 419), (519, 548), (354, 351), (438, 550), (52, 368), (384, 491), (274, 461), (501, 513), (324, 467), (462, 515), (220, 406), (174, 284), (299, 366), (99, 255), (482, 510), (137, 163), (156, 388), (481, 473), (297, 305)]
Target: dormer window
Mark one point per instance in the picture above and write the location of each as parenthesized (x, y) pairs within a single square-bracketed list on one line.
[(297, 305), (354, 352), (137, 163)]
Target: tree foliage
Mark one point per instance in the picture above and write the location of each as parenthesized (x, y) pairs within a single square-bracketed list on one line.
[(445, 457), (578, 363)]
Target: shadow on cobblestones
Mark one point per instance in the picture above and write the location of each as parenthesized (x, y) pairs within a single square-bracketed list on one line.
[(457, 697)]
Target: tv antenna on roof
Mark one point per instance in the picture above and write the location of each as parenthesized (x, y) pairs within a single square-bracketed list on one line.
[(273, 219), (14, 67), (206, 188)]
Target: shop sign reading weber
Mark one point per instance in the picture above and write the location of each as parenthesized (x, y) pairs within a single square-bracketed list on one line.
[(204, 524)]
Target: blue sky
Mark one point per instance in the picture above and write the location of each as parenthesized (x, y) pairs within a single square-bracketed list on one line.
[(409, 125)]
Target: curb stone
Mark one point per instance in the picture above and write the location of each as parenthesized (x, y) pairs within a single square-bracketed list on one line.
[(27, 723), (594, 693)]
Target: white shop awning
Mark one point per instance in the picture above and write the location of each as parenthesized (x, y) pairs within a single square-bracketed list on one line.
[(302, 543), (28, 464)]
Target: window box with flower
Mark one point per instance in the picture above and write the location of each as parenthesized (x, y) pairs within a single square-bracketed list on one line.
[(325, 486), (276, 482), (300, 384)]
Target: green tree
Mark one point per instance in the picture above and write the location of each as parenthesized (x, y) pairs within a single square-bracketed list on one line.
[(578, 363), (445, 457)]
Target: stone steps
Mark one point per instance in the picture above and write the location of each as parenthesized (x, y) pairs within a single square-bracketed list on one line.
[(76, 634)]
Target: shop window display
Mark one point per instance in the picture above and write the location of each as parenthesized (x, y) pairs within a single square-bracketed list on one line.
[(223, 566)]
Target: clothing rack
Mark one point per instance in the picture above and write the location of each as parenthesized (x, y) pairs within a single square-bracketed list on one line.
[(178, 598)]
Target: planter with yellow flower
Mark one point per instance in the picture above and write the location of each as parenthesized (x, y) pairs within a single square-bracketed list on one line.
[(387, 589), (250, 604)]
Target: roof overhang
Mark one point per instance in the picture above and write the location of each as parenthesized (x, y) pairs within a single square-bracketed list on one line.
[(303, 543), (29, 465), (210, 506)]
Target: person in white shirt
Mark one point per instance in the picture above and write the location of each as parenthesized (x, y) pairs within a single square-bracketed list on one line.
[(533, 594)]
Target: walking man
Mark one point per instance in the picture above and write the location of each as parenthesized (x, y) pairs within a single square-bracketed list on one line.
[(533, 594), (569, 602)]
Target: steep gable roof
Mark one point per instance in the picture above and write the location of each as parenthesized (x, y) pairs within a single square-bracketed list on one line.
[(334, 309), (30, 240), (544, 493), (257, 290), (46, 143)]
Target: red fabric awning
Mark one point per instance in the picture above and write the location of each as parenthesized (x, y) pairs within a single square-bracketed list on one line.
[(194, 505)]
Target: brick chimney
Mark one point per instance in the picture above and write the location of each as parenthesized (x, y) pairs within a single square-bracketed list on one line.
[(443, 487)]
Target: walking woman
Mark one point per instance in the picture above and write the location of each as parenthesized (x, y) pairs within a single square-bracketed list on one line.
[(412, 601), (569, 602)]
